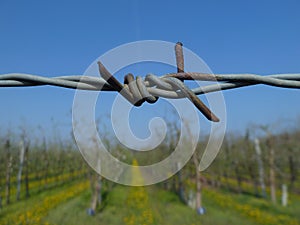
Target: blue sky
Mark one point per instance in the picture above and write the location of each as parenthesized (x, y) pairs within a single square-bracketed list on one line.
[(53, 38)]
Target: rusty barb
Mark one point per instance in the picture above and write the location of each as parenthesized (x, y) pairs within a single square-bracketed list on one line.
[(135, 90), (139, 90)]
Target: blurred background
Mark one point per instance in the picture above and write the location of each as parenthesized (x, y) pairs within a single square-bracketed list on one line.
[(255, 177)]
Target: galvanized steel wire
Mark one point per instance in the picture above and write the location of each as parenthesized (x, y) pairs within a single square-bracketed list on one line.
[(138, 90)]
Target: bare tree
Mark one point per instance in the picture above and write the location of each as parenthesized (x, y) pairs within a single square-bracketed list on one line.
[(46, 163), (260, 167), (292, 160), (26, 167), (180, 190), (271, 161), (96, 187), (272, 168), (9, 159), (237, 164), (196, 161), (19, 177)]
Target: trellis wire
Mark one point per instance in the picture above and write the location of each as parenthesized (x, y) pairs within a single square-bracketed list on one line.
[(151, 87)]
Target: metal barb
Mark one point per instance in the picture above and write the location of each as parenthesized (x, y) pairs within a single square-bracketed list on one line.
[(179, 57)]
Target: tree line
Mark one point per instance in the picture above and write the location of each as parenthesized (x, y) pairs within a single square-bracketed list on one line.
[(264, 164)]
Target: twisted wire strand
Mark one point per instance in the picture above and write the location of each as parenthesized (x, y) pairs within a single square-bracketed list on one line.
[(138, 90), (153, 86), (229, 81)]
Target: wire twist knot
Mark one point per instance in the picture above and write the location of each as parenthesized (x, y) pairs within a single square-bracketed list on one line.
[(136, 90)]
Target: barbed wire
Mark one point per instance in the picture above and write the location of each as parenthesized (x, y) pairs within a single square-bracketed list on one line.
[(138, 90)]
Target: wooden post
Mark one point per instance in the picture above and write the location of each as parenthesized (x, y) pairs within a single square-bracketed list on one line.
[(260, 167), (284, 196), (9, 159)]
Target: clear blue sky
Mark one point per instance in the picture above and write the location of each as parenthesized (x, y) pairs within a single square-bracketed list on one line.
[(53, 38)]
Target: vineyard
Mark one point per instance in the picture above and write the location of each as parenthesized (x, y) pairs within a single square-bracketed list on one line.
[(254, 180)]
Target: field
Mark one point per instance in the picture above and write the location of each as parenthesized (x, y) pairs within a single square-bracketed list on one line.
[(68, 204), (50, 184)]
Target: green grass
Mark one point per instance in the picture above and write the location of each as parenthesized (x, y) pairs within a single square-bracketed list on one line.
[(25, 203), (34, 209), (292, 210), (165, 208)]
